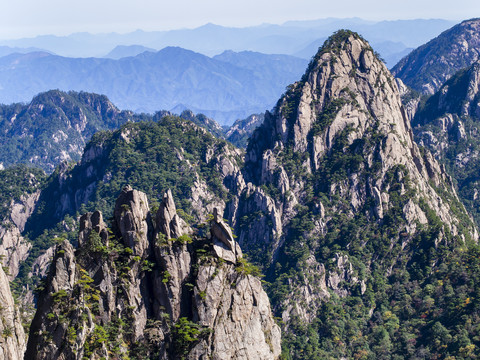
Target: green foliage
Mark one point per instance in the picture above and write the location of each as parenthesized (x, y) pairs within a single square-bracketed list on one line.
[(185, 334), (152, 160), (17, 181), (246, 268), (28, 139), (59, 295)]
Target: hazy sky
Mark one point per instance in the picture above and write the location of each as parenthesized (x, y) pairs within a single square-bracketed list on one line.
[(22, 18)]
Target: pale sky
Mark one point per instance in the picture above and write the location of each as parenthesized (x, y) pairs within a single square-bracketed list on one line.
[(27, 18)]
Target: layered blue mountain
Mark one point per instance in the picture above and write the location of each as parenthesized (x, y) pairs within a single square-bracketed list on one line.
[(289, 38), (226, 87)]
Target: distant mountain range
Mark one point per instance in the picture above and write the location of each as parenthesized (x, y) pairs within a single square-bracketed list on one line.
[(290, 38), (226, 87)]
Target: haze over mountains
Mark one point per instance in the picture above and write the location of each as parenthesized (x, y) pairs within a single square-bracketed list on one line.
[(289, 38), (225, 74)]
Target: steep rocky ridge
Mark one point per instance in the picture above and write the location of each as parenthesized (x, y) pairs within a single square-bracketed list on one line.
[(426, 68), (448, 125), (149, 288), (12, 336), (152, 156), (241, 130), (339, 198)]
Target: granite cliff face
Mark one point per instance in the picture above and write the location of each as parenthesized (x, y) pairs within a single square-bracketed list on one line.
[(426, 68), (12, 336), (337, 191), (448, 125), (149, 288), (346, 104), (20, 192)]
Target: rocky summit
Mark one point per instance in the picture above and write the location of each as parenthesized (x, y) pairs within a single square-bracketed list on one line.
[(339, 199), (12, 339), (426, 68), (149, 288)]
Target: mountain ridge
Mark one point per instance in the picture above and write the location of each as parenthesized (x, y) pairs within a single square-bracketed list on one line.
[(426, 68)]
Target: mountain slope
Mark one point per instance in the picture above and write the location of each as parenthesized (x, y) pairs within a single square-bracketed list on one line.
[(241, 130), (426, 68), (19, 191), (347, 215), (448, 125), (54, 127), (169, 153), (122, 51)]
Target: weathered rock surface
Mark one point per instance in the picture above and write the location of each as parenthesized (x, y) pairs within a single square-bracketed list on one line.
[(338, 144), (12, 336), (14, 249), (426, 68), (241, 130), (150, 289), (448, 125)]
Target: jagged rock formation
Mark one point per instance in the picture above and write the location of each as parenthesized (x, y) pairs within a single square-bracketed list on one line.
[(448, 125), (137, 291), (241, 130), (335, 180), (426, 68), (12, 336), (410, 99), (176, 153), (19, 195)]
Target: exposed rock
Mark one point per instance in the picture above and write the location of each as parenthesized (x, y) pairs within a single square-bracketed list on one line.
[(132, 218), (42, 263), (161, 285), (167, 220), (426, 68), (341, 137), (241, 130), (12, 336), (447, 124), (14, 249)]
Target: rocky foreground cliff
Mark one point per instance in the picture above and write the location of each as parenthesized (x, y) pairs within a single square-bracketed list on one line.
[(149, 288), (12, 336)]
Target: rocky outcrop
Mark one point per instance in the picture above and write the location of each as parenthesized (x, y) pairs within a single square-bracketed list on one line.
[(12, 336), (426, 68), (149, 288), (20, 198), (448, 125), (338, 151), (241, 130), (208, 168)]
